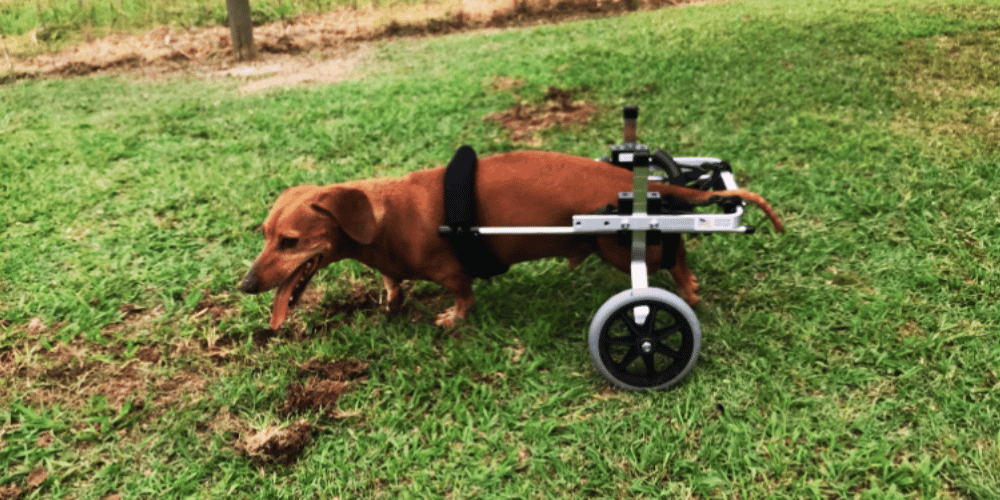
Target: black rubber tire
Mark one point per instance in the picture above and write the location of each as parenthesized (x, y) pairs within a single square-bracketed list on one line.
[(655, 355)]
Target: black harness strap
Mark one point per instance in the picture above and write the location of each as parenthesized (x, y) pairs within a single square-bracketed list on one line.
[(460, 217)]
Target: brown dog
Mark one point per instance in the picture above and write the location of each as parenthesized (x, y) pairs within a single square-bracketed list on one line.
[(392, 225)]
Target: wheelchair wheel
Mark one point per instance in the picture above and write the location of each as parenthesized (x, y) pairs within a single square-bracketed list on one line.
[(643, 339)]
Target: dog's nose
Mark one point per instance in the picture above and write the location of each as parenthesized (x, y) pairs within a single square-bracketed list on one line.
[(250, 283)]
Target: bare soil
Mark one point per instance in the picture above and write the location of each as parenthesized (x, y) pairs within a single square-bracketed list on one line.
[(525, 120), (325, 47), (326, 383), (274, 444), (10, 491)]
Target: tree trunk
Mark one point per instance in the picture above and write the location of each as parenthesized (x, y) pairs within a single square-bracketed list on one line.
[(242, 29)]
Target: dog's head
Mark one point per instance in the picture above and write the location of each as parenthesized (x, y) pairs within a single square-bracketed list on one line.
[(307, 228)]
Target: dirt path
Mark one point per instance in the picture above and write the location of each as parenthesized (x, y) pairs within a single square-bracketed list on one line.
[(311, 48)]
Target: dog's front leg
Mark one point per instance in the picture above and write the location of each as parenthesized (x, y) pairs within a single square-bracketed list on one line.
[(393, 293), (461, 288)]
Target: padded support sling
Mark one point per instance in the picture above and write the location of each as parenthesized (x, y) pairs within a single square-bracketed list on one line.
[(460, 216)]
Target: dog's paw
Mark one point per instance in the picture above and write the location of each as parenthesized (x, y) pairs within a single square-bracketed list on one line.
[(692, 299), (448, 319)]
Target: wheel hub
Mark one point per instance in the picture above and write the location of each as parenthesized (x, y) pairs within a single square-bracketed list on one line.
[(646, 346)]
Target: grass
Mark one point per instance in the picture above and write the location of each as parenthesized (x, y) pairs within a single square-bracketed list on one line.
[(855, 356)]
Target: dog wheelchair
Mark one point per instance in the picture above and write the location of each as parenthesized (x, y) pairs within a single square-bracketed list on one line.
[(645, 337)]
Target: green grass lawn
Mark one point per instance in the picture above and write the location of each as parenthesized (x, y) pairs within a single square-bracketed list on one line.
[(855, 356)]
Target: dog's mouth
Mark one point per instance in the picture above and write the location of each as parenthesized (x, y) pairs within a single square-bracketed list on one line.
[(290, 291)]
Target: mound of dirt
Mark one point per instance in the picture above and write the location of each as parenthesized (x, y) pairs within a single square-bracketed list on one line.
[(312, 47), (274, 444)]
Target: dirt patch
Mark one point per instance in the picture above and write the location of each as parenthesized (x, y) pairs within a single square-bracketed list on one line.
[(148, 354), (130, 384), (362, 296), (324, 47), (315, 395), (275, 444), (37, 477), (320, 393), (10, 492), (312, 296), (134, 319), (214, 309), (326, 383), (263, 336), (420, 304), (72, 375), (209, 313), (8, 364), (525, 120), (341, 308), (179, 386), (36, 326), (348, 369), (65, 364), (44, 440)]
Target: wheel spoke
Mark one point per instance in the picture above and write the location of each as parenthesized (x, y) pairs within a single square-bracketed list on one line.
[(667, 351), (650, 363), (651, 319), (629, 323), (666, 331), (629, 358)]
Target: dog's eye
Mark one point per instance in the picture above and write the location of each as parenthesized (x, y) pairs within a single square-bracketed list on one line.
[(287, 243)]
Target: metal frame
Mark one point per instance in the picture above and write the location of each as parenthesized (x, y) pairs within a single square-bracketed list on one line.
[(694, 222), (638, 222)]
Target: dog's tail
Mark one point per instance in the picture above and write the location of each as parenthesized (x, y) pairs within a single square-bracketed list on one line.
[(699, 197)]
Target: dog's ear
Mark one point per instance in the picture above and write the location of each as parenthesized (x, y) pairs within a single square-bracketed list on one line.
[(352, 208)]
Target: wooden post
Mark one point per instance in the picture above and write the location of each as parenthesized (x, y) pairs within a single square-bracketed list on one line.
[(241, 29)]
